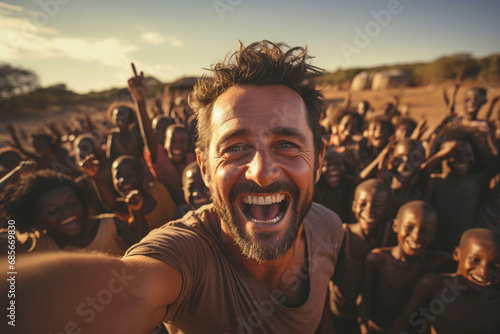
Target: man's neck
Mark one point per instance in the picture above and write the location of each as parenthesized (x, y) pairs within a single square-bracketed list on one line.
[(280, 274)]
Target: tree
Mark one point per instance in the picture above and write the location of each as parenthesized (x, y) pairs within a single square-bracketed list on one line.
[(16, 81)]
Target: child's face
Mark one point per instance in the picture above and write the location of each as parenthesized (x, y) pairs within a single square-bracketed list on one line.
[(126, 177), (159, 126), (333, 168), (405, 161), (473, 101), (195, 191), (415, 230), (402, 131), (347, 127), (479, 262), (60, 212), (370, 207), (177, 145), (121, 117), (463, 159), (378, 134)]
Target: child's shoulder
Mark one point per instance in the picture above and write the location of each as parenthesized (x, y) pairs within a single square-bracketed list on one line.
[(379, 255)]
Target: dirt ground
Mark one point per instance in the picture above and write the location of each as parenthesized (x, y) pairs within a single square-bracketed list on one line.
[(422, 102)]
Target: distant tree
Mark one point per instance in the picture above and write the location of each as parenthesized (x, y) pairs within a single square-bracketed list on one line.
[(16, 81)]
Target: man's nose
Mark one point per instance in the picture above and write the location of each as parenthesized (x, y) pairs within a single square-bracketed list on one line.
[(262, 169)]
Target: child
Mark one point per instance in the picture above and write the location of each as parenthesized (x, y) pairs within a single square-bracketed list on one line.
[(370, 207), (335, 189), (160, 124), (465, 302), (166, 162), (456, 191), (376, 138), (345, 128), (488, 212), (52, 208), (125, 138), (196, 193), (151, 203), (392, 272)]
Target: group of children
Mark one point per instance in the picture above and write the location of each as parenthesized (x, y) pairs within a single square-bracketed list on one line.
[(415, 203), (102, 186)]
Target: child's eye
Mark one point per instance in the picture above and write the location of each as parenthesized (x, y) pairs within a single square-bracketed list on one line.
[(473, 259)]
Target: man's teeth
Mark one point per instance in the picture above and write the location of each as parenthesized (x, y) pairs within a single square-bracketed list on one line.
[(68, 220), (270, 221), (264, 200)]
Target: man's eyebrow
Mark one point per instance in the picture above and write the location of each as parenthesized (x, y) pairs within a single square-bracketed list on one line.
[(289, 132), (232, 134)]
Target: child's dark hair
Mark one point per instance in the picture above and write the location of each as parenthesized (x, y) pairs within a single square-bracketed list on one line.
[(18, 201), (407, 121), (4, 151)]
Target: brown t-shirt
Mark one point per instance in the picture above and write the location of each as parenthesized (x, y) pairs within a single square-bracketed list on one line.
[(219, 295)]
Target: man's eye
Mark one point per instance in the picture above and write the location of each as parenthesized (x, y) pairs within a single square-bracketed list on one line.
[(286, 145)]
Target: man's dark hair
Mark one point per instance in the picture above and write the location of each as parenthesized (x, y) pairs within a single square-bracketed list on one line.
[(18, 200), (261, 64)]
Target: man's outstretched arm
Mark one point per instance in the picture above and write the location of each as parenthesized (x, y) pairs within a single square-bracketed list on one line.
[(89, 293)]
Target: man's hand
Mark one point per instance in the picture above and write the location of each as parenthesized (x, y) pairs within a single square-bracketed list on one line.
[(134, 200), (137, 86)]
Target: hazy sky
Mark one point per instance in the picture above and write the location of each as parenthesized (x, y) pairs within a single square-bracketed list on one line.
[(89, 44)]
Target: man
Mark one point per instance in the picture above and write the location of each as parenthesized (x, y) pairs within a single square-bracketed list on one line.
[(257, 260)]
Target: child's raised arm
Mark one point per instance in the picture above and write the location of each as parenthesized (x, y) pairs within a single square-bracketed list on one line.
[(137, 89)]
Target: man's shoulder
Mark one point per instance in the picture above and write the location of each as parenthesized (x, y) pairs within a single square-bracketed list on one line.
[(320, 217), (324, 225)]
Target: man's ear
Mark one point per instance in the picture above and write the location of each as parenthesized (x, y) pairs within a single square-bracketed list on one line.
[(395, 225), (319, 162), (203, 168), (456, 254)]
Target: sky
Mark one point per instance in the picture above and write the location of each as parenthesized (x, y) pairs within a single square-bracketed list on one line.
[(89, 44)]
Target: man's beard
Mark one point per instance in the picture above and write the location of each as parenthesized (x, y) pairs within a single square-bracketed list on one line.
[(263, 250)]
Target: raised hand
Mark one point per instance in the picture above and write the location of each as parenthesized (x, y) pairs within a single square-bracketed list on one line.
[(134, 200), (90, 165), (27, 167), (137, 86)]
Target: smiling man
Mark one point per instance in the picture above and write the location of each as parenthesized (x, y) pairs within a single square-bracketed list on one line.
[(257, 260)]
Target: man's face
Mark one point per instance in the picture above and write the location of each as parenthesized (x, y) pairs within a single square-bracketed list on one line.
[(479, 262), (261, 167)]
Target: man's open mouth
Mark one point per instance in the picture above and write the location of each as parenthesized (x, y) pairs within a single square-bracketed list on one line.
[(265, 209)]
